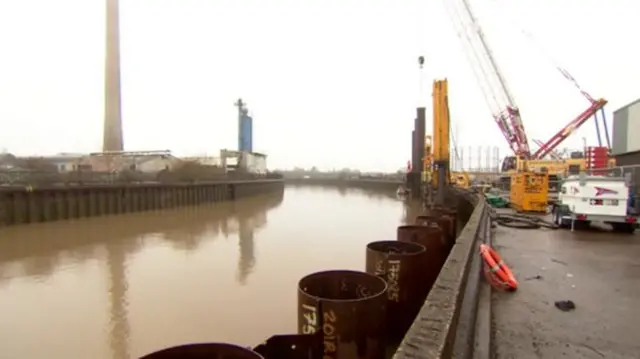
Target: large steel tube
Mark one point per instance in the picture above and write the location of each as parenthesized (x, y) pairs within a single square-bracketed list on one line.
[(402, 266), (432, 239), (420, 128), (414, 152), (450, 213), (204, 351), (350, 309), (443, 222)]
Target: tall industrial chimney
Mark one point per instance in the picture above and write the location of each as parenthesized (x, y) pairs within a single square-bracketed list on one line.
[(112, 140)]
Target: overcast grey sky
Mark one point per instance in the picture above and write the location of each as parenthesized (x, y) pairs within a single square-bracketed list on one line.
[(330, 83)]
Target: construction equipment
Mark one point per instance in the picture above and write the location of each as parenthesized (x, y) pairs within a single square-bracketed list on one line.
[(529, 191), (436, 162), (441, 125), (436, 146), (460, 179), (501, 101), (495, 201), (553, 154), (428, 160)]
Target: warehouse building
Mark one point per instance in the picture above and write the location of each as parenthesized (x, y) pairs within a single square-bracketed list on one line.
[(626, 135)]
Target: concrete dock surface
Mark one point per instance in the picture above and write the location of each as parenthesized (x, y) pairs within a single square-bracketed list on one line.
[(596, 269)]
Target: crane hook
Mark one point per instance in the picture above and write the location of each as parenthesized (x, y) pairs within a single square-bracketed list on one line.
[(421, 61)]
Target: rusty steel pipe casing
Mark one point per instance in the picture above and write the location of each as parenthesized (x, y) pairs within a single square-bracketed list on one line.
[(442, 222), (450, 213), (432, 238), (204, 351), (402, 266), (349, 307)]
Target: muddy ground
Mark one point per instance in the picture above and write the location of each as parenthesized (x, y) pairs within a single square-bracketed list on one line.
[(597, 270)]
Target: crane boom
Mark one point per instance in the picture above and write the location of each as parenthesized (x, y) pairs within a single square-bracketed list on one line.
[(566, 131), (491, 80), (553, 154), (494, 86)]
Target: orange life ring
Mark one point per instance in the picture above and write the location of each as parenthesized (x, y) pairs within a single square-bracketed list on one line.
[(496, 266)]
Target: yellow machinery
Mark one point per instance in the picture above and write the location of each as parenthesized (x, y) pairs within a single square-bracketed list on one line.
[(441, 125), (437, 151), (436, 146), (460, 179), (427, 175), (529, 191), (557, 167)]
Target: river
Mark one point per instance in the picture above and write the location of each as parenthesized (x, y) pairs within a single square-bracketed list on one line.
[(122, 286)]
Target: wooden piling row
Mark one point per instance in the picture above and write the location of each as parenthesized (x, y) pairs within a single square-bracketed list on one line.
[(22, 205)]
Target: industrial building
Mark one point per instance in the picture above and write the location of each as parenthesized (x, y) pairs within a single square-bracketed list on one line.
[(245, 128), (244, 158), (626, 135)]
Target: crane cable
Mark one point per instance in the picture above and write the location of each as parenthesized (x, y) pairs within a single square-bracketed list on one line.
[(478, 67), (480, 73), (560, 69), (549, 57), (471, 53), (565, 73), (452, 136), (422, 41)]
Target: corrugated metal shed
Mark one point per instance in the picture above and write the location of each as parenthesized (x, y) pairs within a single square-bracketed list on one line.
[(626, 129)]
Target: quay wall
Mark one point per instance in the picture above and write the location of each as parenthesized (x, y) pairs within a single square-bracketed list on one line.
[(27, 204), (448, 324)]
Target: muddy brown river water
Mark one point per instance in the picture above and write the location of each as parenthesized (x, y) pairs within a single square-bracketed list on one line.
[(120, 287)]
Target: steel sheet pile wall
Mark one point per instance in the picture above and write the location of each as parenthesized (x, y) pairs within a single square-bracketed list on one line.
[(346, 314), (23, 205)]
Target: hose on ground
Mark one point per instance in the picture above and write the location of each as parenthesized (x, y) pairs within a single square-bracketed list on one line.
[(522, 221)]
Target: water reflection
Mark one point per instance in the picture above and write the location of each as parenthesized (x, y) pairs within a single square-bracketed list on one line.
[(247, 227), (344, 191), (247, 257), (37, 252), (118, 300), (119, 287)]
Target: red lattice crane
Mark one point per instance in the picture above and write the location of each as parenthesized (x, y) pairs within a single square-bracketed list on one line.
[(496, 91)]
